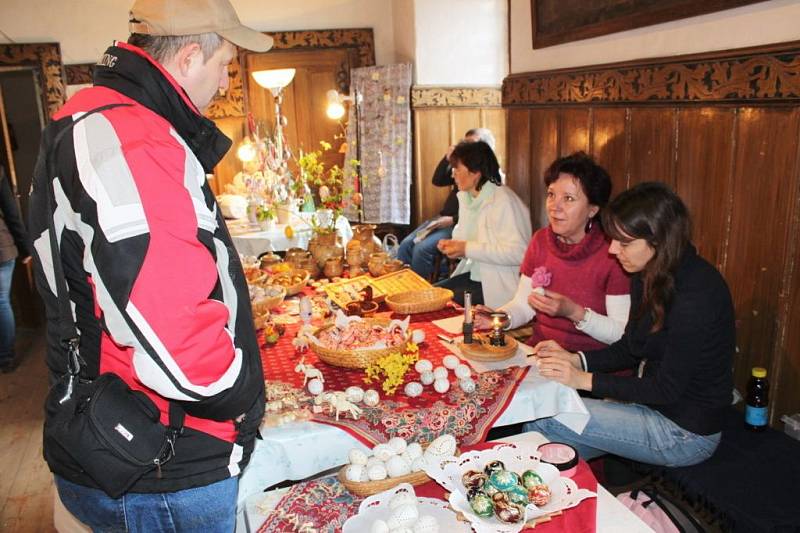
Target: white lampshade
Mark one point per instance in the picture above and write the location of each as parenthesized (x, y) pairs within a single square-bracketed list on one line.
[(275, 79)]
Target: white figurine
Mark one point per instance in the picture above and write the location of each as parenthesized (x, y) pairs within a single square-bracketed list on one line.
[(309, 372)]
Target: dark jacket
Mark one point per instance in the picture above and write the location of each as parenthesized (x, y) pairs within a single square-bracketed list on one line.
[(443, 177), (159, 294), (688, 373), (13, 238)]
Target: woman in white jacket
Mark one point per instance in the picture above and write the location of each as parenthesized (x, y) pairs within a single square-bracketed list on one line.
[(493, 229)]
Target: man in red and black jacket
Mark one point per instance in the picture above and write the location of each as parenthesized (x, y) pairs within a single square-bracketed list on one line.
[(156, 287)]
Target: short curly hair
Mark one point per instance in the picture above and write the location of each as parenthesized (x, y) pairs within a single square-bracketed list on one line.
[(594, 180)]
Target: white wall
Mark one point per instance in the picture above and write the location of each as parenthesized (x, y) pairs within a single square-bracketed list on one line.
[(461, 42), (405, 41), (85, 28), (767, 22)]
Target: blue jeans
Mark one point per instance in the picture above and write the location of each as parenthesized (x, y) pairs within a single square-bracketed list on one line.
[(420, 255), (7, 325), (459, 285), (203, 509), (633, 431)]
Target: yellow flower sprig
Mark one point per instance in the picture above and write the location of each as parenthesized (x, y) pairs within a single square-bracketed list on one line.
[(392, 368)]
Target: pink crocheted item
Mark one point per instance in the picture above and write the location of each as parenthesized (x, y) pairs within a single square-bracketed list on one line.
[(541, 277)]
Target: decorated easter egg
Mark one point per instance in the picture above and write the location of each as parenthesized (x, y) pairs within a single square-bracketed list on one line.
[(423, 365), (413, 389), (427, 378), (357, 457), (355, 472), (371, 398), (418, 464), (510, 513), (354, 394), (402, 498), (426, 524), (397, 466), (451, 361), (462, 371), (444, 446), (377, 472), (413, 450), (531, 479), (493, 466), (398, 444), (383, 452), (482, 505), (518, 494), (440, 372), (473, 479), (539, 495), (467, 385), (315, 386), (379, 526), (417, 336), (441, 385), (503, 479), (373, 461), (404, 515)]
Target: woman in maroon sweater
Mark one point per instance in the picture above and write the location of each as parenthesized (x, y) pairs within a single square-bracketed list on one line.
[(584, 299)]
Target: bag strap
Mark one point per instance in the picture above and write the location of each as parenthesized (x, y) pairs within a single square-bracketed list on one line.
[(67, 330)]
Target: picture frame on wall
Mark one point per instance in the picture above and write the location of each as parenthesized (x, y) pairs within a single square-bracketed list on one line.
[(561, 21)]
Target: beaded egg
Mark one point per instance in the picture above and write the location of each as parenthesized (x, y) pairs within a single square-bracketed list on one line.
[(444, 446), (413, 389), (377, 472), (354, 394), (383, 452), (397, 466), (417, 336), (371, 398), (467, 385), (451, 361), (413, 450), (402, 498), (398, 444), (357, 457), (403, 516), (315, 386), (423, 365), (356, 473), (440, 372), (441, 386), (426, 378), (418, 464), (462, 371)]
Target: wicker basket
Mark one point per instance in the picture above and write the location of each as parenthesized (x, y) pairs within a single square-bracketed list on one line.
[(255, 277), (262, 305), (354, 358), (424, 301), (291, 290), (368, 488)]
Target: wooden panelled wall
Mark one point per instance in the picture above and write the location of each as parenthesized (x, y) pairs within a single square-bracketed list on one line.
[(723, 130), (441, 117)]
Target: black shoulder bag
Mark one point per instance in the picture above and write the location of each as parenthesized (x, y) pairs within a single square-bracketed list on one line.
[(113, 432)]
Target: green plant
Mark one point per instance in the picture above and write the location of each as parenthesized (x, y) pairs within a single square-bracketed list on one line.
[(266, 212)]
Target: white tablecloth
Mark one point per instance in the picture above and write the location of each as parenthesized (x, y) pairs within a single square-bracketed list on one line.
[(612, 516), (294, 452), (255, 243)]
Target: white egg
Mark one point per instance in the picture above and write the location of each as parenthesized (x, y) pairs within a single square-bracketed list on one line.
[(426, 524), (467, 385), (398, 444), (373, 461), (444, 446), (440, 372), (377, 472), (372, 398), (315, 386), (423, 365), (402, 498), (426, 378), (418, 464), (451, 361), (354, 394), (462, 371), (383, 452), (413, 389), (379, 526), (354, 472), (401, 529), (397, 466), (414, 450), (441, 386), (403, 516), (357, 457), (417, 336)]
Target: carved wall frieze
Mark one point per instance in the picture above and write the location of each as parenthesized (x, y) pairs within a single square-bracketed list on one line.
[(455, 97), (46, 58), (750, 76), (360, 41)]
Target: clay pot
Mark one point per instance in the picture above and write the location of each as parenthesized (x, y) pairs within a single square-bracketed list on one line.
[(298, 259), (333, 267), (376, 262), (364, 234), (325, 247), (310, 264), (270, 259), (392, 265)]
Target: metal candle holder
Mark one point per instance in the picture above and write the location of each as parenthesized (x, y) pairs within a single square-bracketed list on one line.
[(497, 337)]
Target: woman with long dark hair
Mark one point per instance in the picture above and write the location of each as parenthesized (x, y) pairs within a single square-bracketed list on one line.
[(681, 331)]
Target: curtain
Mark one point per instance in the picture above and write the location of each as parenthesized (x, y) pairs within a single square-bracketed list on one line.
[(379, 135)]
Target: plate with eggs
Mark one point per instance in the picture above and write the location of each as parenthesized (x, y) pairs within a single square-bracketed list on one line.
[(399, 509)]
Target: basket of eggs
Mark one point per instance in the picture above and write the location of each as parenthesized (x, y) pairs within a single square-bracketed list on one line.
[(293, 280)]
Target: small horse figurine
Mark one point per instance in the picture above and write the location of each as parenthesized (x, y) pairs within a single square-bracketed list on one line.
[(309, 372), (340, 403)]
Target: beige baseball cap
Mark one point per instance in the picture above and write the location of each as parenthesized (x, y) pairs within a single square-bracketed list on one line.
[(191, 17)]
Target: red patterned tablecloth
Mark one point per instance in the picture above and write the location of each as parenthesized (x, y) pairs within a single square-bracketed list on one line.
[(467, 416), (323, 505)]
